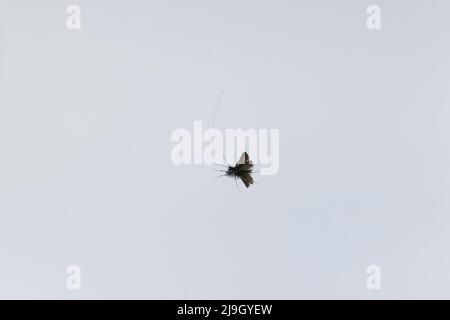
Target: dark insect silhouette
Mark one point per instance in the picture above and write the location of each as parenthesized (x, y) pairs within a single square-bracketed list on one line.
[(242, 170)]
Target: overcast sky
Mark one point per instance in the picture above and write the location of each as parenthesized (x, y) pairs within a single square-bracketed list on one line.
[(86, 176)]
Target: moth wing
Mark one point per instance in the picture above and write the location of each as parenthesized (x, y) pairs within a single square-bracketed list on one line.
[(247, 179), (244, 159)]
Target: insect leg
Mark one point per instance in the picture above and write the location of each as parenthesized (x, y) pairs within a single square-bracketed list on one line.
[(222, 175)]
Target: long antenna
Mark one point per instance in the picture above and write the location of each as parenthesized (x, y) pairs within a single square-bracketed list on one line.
[(215, 109), (214, 117), (235, 180)]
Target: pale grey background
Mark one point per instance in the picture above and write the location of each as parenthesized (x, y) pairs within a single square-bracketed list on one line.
[(85, 170)]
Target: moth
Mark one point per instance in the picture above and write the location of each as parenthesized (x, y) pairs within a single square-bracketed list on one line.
[(242, 170)]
